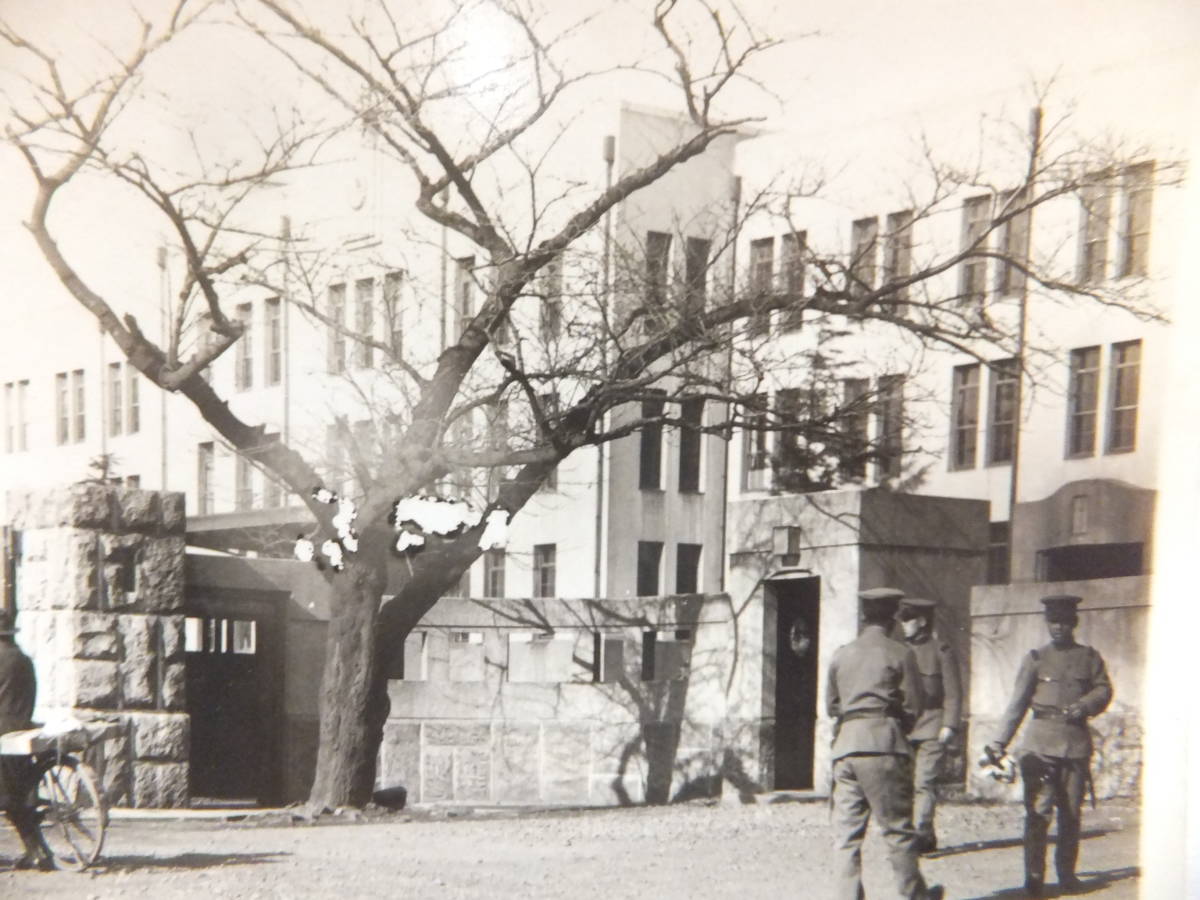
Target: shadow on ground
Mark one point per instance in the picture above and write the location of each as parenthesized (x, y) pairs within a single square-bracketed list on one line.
[(110, 865), (1001, 843), (1092, 882)]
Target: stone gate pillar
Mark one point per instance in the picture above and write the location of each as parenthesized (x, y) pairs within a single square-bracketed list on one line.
[(99, 600)]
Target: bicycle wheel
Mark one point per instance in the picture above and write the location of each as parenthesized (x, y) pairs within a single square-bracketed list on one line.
[(71, 813)]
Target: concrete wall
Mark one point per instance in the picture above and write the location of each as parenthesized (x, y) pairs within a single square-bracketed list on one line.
[(852, 540), (473, 721), (1007, 622), (99, 597)]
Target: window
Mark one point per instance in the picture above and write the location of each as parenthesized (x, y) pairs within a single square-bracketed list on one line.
[(392, 310), (1096, 198), (551, 290), (493, 572), (243, 497), (794, 248), (964, 416), (762, 273), (650, 458), (687, 568), (134, 407), (695, 275), (69, 410), (543, 570), (755, 459), (666, 654), (1122, 415), (62, 409), (973, 277), (336, 363), (1135, 220), (464, 290), (1083, 401), (273, 341), (364, 322), (793, 409), (897, 252), (691, 411), (1014, 244), (466, 656), (658, 252), (609, 652), (864, 236), (15, 429), (204, 477), (998, 566), (890, 407), (855, 425), (649, 561), (244, 356), (116, 399), (1002, 412)]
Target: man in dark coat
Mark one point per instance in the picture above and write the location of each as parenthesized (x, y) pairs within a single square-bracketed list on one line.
[(18, 690), (874, 696), (935, 729), (1064, 683)]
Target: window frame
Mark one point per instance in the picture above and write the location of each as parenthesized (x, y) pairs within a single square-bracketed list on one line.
[(243, 357), (335, 363), (1118, 367), (897, 252), (691, 445), (889, 406), (648, 581), (965, 382), (862, 269), (650, 446), (1136, 220), (973, 271), (1004, 377), (272, 341), (544, 569), (1077, 372)]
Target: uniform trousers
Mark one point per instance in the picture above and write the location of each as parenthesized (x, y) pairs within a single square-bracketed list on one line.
[(880, 785), (927, 767), (1052, 783)]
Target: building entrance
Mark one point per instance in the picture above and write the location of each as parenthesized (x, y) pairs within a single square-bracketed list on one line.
[(798, 606)]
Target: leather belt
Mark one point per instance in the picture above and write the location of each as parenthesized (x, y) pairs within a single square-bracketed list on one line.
[(867, 714)]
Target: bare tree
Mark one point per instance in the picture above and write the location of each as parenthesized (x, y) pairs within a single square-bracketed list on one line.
[(610, 353)]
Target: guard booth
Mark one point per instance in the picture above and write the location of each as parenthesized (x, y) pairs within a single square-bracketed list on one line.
[(234, 641)]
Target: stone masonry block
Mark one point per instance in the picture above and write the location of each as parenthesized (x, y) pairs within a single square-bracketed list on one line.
[(446, 734), (83, 505), (172, 637), (437, 776), (95, 636), (400, 755), (90, 505), (160, 575), (137, 509), (116, 779), (174, 519), (160, 736), (174, 696), (472, 774), (160, 785), (96, 684), (58, 570), (517, 762), (139, 661)]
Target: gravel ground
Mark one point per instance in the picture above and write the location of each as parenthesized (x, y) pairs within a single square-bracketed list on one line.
[(694, 850)]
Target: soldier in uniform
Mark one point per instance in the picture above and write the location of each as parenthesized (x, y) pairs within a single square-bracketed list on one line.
[(1064, 683), (935, 729), (18, 690), (874, 696)]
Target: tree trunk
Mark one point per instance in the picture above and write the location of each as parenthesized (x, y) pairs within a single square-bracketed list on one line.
[(344, 752)]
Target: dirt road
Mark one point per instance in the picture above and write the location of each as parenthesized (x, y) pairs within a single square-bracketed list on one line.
[(769, 850)]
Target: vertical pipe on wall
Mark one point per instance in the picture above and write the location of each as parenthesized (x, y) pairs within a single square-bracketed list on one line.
[(610, 155)]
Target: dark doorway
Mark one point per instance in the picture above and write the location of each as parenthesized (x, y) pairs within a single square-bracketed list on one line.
[(1080, 562), (798, 606), (234, 696)]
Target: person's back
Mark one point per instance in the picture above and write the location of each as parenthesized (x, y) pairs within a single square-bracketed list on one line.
[(873, 695), (18, 687), (18, 692)]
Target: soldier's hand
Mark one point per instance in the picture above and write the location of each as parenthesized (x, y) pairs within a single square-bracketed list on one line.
[(1075, 711), (994, 750), (945, 734)]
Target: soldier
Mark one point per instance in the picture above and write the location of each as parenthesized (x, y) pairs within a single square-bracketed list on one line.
[(874, 696), (935, 729), (18, 690), (1064, 683)]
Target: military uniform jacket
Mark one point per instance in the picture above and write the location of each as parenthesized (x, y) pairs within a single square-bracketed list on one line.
[(18, 688), (874, 693), (941, 685), (1051, 679)]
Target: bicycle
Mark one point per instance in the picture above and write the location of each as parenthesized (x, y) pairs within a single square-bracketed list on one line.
[(66, 795)]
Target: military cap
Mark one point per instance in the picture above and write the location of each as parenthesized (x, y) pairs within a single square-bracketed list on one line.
[(915, 607), (1061, 604), (880, 601)]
